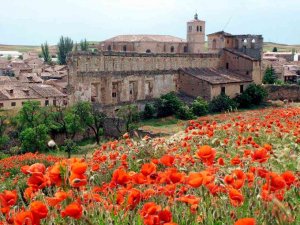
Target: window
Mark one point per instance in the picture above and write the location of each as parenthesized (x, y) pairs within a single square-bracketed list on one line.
[(185, 49), (227, 66), (148, 51), (109, 48), (46, 102), (172, 48), (13, 104), (190, 28), (124, 48), (197, 28), (200, 28), (54, 102), (241, 88), (247, 72), (1, 104), (223, 90), (114, 95)]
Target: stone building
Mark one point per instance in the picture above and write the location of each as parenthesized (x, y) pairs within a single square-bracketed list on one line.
[(113, 77), (195, 42)]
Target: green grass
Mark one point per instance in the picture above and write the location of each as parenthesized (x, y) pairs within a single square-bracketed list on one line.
[(159, 122)]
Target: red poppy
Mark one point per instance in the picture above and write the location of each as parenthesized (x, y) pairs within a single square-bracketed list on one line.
[(245, 221), (206, 154), (73, 210)]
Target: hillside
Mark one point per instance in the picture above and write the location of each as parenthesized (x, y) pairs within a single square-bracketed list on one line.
[(268, 46)]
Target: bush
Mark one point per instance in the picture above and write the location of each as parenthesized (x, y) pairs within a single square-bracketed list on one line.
[(168, 105), (184, 113), (269, 77), (199, 107), (222, 103), (149, 111), (253, 95)]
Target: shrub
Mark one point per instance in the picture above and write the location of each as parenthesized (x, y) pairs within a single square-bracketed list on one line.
[(149, 111), (222, 103), (253, 95), (199, 107), (168, 105), (269, 77), (184, 113)]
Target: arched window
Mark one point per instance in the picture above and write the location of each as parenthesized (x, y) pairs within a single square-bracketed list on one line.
[(124, 48), (148, 51), (245, 43), (172, 48), (200, 29), (185, 49), (109, 48), (197, 28), (253, 43)]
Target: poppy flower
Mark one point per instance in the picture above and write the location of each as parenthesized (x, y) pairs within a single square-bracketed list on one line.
[(167, 160), (120, 177), (195, 179), (289, 178), (7, 199), (24, 218), (206, 154), (245, 221), (260, 155), (73, 210), (148, 168), (38, 209), (236, 197)]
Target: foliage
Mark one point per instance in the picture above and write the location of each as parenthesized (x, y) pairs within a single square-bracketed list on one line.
[(269, 76), (64, 46), (84, 45), (149, 111), (222, 103), (219, 170), (253, 95), (184, 113), (129, 114), (168, 104), (199, 107), (70, 146), (3, 137), (275, 49), (9, 57), (45, 53), (279, 82)]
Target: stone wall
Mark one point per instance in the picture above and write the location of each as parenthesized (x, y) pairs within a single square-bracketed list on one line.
[(289, 92)]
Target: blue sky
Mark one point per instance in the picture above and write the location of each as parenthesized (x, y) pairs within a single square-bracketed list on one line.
[(37, 21)]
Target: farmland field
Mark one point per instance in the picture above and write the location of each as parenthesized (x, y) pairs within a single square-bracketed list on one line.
[(237, 168)]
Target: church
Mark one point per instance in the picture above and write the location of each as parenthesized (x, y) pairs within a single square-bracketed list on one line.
[(140, 68)]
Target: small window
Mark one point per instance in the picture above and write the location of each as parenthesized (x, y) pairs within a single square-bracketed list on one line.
[(241, 88), (13, 104), (190, 28), (109, 48), (227, 66), (197, 28), (46, 102), (200, 28), (223, 90), (114, 95), (172, 48), (1, 104), (54, 102), (124, 48), (247, 72), (148, 51), (185, 49)]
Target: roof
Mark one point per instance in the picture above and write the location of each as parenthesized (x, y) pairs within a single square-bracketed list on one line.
[(19, 91), (241, 54), (46, 90), (145, 38), (220, 33), (30, 78), (216, 76)]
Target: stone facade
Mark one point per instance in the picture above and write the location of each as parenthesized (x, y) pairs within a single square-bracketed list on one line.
[(285, 92)]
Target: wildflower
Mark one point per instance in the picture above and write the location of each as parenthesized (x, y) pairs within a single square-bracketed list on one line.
[(245, 221), (206, 154), (73, 210)]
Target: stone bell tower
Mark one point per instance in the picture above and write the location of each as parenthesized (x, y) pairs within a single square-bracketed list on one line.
[(196, 35)]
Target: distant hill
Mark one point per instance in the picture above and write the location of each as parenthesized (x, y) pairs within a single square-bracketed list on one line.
[(268, 46)]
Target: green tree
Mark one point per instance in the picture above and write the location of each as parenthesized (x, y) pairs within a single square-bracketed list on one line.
[(9, 57), (90, 117), (269, 77), (84, 45), (222, 103), (45, 53), (199, 107), (275, 49), (184, 113), (3, 125), (149, 111), (33, 124), (129, 114), (64, 46), (168, 104)]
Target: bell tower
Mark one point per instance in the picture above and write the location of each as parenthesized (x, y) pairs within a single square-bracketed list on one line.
[(196, 35)]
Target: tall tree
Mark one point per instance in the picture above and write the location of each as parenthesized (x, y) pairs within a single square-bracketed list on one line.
[(84, 45), (45, 53), (269, 77), (275, 49), (64, 46)]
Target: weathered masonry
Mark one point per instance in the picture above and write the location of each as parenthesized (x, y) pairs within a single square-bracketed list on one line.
[(110, 79)]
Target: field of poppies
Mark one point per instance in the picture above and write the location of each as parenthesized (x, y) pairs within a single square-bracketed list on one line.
[(232, 169)]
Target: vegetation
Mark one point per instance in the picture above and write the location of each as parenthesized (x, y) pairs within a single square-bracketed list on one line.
[(222, 103), (149, 111), (275, 49), (168, 105), (269, 76), (84, 45), (253, 95), (200, 107), (64, 46), (234, 168), (45, 53)]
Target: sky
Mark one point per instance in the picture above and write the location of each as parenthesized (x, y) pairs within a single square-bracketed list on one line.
[(32, 22)]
